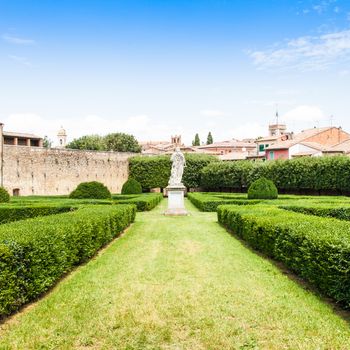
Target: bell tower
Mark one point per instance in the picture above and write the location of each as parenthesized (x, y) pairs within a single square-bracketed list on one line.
[(62, 138)]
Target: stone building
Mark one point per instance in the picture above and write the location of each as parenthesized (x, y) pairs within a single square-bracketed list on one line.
[(34, 170)]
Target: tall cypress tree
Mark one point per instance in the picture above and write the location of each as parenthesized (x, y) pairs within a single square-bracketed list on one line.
[(210, 139), (196, 141)]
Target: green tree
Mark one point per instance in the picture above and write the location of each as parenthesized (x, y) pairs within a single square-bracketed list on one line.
[(88, 142), (196, 141), (121, 142), (47, 143), (210, 139)]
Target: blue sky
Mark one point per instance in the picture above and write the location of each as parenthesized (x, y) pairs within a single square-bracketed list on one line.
[(156, 68)]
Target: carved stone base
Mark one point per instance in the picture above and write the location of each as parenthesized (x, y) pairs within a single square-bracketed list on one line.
[(176, 204)]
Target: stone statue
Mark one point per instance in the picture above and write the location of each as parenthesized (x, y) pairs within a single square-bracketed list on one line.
[(177, 169)]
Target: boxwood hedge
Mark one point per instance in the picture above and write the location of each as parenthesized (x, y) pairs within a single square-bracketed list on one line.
[(35, 253), (154, 171), (318, 249), (209, 202), (15, 213), (144, 202), (341, 212), (296, 175)]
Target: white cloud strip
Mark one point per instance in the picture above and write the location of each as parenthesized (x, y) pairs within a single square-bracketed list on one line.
[(306, 53), (21, 60), (17, 41)]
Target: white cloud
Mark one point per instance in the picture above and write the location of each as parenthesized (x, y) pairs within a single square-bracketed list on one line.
[(20, 60), (212, 113), (305, 114), (306, 53), (17, 41)]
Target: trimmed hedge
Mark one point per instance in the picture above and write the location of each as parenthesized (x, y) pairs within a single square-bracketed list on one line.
[(154, 171), (209, 203), (15, 213), (299, 174), (318, 249), (131, 187), (145, 202), (34, 254), (4, 195), (226, 175), (338, 212), (262, 189), (91, 190)]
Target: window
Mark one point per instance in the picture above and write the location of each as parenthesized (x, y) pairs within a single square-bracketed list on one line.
[(261, 148), (272, 155)]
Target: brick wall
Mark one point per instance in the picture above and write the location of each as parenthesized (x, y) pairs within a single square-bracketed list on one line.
[(329, 137), (40, 171)]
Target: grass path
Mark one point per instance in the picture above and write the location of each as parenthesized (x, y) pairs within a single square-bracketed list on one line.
[(177, 283)]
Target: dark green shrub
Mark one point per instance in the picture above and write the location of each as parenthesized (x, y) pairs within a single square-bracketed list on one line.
[(4, 195), (318, 249), (93, 190), (131, 187), (262, 189), (154, 171), (35, 253)]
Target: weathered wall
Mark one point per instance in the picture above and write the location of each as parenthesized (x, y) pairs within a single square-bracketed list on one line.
[(41, 171)]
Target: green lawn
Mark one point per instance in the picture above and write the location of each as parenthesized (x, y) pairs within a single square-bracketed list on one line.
[(177, 283)]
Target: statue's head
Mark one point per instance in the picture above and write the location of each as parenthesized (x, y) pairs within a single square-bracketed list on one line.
[(177, 149)]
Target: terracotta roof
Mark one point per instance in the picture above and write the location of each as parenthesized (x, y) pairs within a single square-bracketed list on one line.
[(315, 145), (228, 144), (268, 138), (233, 156), (300, 137), (303, 154), (22, 135), (343, 147)]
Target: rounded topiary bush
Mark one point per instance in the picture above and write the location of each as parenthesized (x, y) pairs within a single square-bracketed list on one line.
[(262, 189), (132, 186), (93, 190), (4, 195)]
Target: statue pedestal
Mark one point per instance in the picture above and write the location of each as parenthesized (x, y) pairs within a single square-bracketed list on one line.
[(176, 205)]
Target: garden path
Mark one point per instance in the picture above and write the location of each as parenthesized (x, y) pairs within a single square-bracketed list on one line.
[(177, 283)]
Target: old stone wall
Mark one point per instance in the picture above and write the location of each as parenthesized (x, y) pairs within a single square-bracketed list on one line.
[(41, 171)]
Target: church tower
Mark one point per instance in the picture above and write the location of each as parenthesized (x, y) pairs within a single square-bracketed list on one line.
[(62, 138), (277, 129)]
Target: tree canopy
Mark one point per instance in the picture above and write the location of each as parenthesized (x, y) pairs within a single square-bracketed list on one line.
[(119, 142)]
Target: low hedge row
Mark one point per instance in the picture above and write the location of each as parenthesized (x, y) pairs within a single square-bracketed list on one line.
[(208, 203), (144, 202), (35, 253), (338, 212), (318, 249), (300, 174), (154, 171), (15, 213)]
